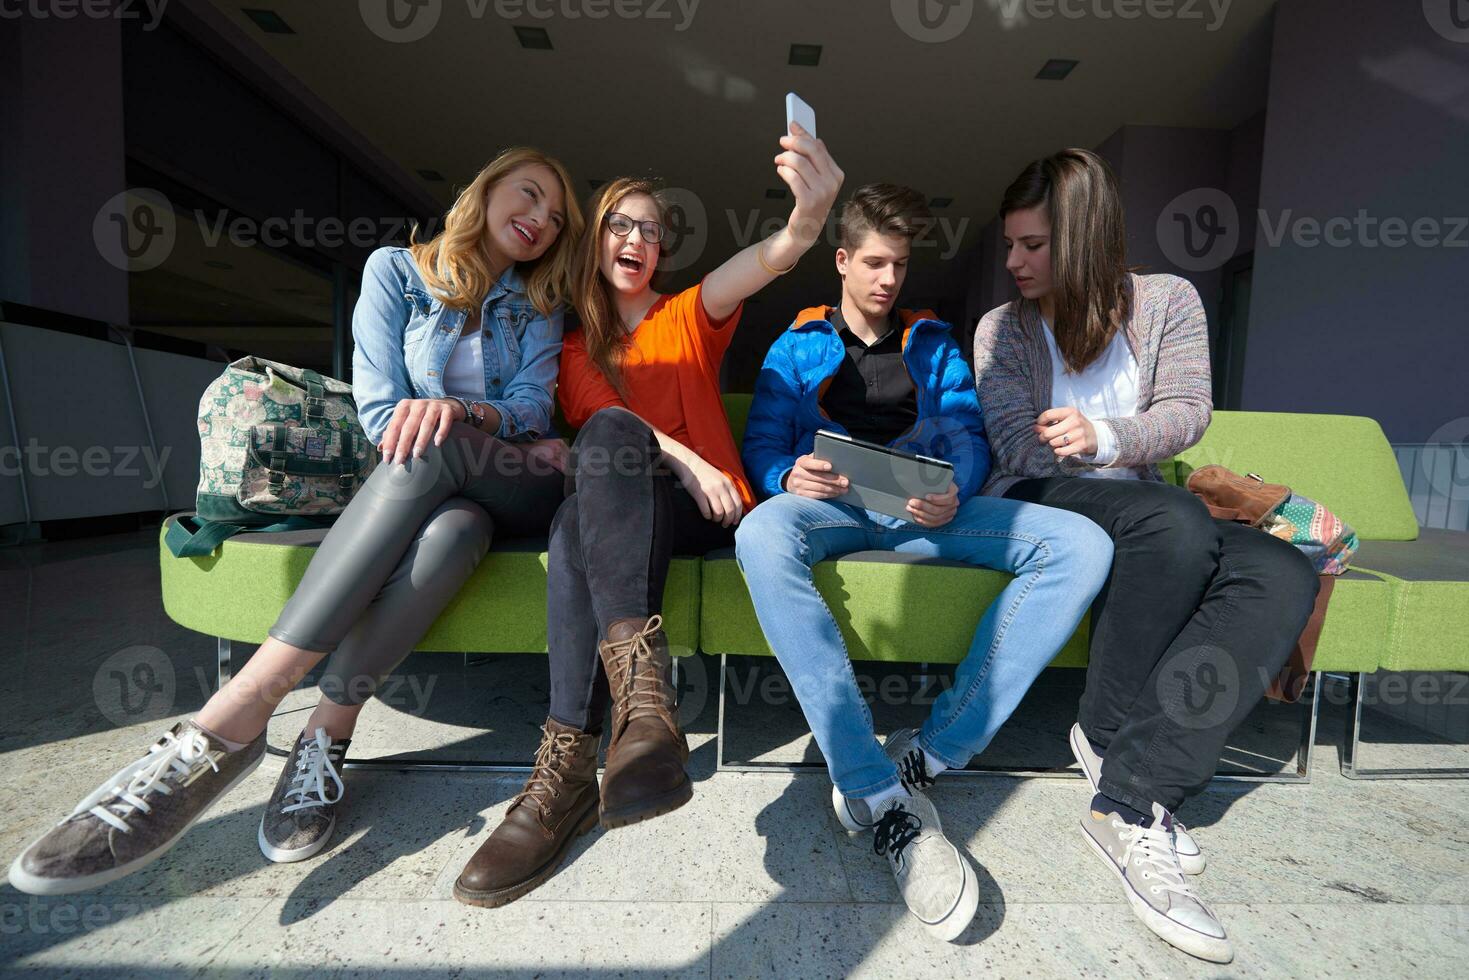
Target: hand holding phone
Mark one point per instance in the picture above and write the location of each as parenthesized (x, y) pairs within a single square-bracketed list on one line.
[(805, 166), (799, 112)]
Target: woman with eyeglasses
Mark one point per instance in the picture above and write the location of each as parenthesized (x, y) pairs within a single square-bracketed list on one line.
[(656, 472)]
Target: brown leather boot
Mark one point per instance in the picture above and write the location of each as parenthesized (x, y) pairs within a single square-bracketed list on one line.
[(557, 805), (645, 775)]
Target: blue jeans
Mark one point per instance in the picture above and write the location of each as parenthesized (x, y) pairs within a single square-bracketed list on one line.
[(1059, 559)]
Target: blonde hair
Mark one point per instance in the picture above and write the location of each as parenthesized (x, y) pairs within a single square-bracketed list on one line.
[(453, 263), (602, 331)]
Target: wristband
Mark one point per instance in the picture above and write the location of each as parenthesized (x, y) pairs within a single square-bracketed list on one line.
[(760, 254), (468, 412)]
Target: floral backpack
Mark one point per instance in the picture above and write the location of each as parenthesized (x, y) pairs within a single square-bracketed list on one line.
[(280, 449)]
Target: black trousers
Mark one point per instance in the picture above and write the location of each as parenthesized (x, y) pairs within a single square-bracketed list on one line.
[(611, 544), (1196, 619)]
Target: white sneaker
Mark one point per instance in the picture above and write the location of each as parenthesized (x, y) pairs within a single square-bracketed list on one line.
[(935, 878), (1190, 857), (902, 747), (1157, 889)]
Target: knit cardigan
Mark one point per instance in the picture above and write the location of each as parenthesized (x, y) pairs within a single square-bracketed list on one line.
[(1168, 335)]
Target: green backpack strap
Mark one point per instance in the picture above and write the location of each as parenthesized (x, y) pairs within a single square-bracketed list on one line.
[(189, 537), (315, 395)]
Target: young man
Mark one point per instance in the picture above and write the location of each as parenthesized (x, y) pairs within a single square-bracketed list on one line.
[(898, 377)]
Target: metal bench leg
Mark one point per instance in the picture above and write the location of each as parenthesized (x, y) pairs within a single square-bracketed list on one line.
[(1350, 765), (719, 724), (1309, 708), (226, 669)]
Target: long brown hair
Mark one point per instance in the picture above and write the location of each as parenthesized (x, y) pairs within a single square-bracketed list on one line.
[(453, 263), (603, 333), (1089, 273)]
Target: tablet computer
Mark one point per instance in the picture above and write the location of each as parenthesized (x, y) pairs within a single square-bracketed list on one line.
[(881, 478)]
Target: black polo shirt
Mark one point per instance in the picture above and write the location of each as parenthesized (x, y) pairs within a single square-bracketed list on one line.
[(872, 394)]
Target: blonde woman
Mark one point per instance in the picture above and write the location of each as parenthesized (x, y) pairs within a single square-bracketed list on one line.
[(457, 343)]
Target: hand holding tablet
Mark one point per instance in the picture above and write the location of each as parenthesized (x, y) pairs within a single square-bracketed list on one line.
[(873, 477)]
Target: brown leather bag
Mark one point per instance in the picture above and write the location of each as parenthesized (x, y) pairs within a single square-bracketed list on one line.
[(1231, 497), (1249, 500)]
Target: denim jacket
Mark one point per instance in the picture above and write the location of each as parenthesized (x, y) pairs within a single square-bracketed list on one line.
[(403, 335)]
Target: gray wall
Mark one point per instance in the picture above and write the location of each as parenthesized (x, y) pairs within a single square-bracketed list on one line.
[(1155, 166), (61, 158), (1367, 111), (86, 453)]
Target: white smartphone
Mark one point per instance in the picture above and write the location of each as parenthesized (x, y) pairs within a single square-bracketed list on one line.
[(798, 111)]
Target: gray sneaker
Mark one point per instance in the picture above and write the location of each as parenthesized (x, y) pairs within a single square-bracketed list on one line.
[(1156, 887), (302, 812), (136, 815), (935, 878), (1190, 857), (903, 748)]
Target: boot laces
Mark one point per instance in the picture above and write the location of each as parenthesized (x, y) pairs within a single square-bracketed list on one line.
[(548, 774), (634, 669)]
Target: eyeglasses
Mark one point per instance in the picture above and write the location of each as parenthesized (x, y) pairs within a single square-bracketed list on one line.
[(621, 226)]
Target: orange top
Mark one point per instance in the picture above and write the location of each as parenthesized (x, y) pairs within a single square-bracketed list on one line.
[(671, 373)]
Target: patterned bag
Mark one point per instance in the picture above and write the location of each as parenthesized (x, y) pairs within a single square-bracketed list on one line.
[(1318, 533), (280, 449), (1322, 536), (1273, 508)]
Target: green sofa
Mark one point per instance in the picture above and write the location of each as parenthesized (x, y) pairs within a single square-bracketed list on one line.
[(1404, 605)]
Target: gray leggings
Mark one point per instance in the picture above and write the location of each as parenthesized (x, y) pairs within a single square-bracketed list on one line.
[(403, 548)]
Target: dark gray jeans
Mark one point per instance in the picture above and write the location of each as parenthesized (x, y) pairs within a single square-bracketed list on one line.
[(1196, 619), (611, 545), (403, 548)]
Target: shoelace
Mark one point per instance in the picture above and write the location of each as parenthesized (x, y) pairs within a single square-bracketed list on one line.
[(913, 770), (308, 786), (646, 688), (1153, 848), (170, 757), (546, 777), (895, 831)]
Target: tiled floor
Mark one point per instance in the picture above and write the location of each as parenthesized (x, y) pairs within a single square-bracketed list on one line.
[(753, 878)]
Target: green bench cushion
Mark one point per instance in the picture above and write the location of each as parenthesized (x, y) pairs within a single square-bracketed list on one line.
[(890, 607), (1343, 461), (898, 608), (1358, 621), (1430, 582), (239, 592)]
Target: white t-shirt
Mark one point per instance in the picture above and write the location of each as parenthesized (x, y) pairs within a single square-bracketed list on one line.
[(464, 374), (1107, 389)]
